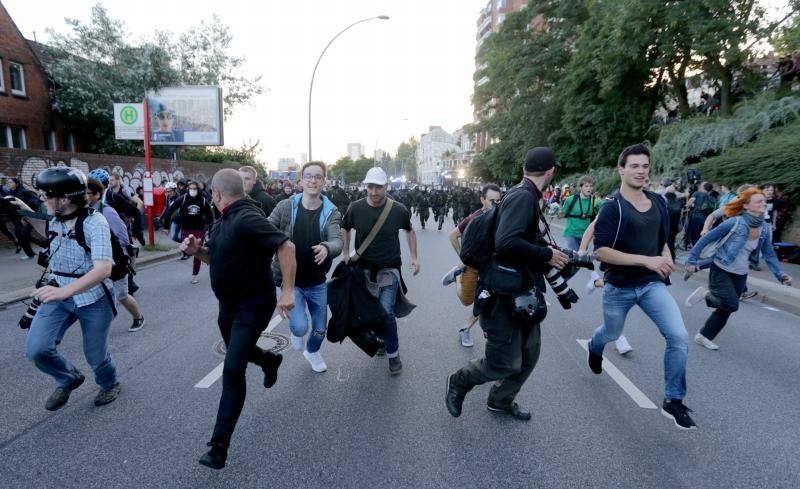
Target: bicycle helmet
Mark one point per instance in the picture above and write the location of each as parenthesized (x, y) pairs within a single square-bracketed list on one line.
[(61, 181), (99, 174)]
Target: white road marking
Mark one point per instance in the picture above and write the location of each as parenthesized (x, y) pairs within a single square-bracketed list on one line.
[(771, 308), (638, 396), (215, 374)]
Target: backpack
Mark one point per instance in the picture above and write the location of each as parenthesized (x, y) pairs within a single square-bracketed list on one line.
[(121, 260), (708, 205), (477, 242), (574, 199)]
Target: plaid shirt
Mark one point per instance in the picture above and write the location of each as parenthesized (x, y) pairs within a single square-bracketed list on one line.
[(67, 256)]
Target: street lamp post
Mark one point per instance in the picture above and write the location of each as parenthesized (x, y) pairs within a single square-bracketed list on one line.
[(311, 87)]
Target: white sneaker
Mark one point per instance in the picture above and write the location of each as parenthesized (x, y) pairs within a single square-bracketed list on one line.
[(450, 276), (195, 279), (316, 361), (466, 338), (590, 285), (703, 341), (623, 346), (297, 343), (698, 295)]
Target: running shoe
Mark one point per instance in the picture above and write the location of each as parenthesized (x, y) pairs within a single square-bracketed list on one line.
[(450, 276), (466, 338), (297, 343), (623, 346), (698, 295), (591, 284), (676, 410), (137, 324), (703, 341), (748, 294), (316, 361)]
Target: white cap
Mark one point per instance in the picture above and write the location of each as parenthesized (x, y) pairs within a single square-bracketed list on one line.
[(375, 176)]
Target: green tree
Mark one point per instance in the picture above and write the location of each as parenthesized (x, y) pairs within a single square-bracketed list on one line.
[(407, 157), (351, 172), (97, 64), (247, 154)]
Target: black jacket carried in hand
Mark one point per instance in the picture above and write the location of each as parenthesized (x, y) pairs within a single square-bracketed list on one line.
[(355, 313), (241, 245)]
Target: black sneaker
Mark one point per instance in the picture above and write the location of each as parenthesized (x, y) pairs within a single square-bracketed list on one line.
[(395, 365), (60, 396), (452, 398), (270, 368), (108, 396), (748, 294), (132, 287), (595, 361), (215, 458), (137, 324), (679, 413), (185, 257), (514, 411)]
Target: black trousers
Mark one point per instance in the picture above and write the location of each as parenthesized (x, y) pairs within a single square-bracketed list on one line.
[(7, 232), (23, 231), (512, 350), (725, 289), (240, 329)]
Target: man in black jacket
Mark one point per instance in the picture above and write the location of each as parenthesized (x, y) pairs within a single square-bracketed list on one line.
[(254, 189), (512, 342), (22, 229), (240, 249)]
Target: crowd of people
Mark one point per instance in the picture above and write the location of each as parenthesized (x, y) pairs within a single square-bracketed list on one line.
[(287, 236)]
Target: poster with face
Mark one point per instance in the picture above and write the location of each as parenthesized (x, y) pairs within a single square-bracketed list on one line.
[(186, 116)]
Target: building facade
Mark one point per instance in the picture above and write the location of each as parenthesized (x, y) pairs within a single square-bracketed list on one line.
[(355, 151), (434, 146), (27, 119)]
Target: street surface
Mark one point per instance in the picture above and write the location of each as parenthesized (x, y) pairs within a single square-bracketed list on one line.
[(355, 426)]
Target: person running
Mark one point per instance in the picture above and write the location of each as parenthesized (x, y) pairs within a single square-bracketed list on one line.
[(23, 229), (312, 223), (513, 337), (381, 259), (94, 196), (127, 205), (196, 216), (637, 269), (579, 210), (239, 251), (466, 278), (78, 289), (744, 232)]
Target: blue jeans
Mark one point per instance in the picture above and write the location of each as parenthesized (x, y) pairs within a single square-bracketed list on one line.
[(49, 325), (316, 297), (387, 298), (662, 309), (573, 243)]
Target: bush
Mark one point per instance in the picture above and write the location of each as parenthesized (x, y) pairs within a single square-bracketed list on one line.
[(774, 157)]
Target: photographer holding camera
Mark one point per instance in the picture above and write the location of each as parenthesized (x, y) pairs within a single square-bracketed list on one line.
[(22, 230), (77, 291), (510, 297)]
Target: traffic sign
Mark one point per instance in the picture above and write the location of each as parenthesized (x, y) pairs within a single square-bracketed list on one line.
[(129, 121)]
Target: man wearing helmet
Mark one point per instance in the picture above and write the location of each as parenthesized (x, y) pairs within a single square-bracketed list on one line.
[(79, 274)]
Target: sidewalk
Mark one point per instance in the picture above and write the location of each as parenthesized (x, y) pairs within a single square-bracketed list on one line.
[(770, 292), (19, 277)]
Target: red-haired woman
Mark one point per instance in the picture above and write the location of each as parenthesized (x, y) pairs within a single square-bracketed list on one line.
[(744, 232)]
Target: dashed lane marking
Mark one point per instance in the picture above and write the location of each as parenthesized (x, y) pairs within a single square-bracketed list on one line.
[(215, 374), (638, 396)]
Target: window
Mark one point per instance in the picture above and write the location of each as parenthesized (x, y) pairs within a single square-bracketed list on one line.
[(50, 140), (2, 78), (17, 78), (68, 142), (13, 137)]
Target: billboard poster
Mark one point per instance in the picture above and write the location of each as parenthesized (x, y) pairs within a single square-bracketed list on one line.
[(186, 116)]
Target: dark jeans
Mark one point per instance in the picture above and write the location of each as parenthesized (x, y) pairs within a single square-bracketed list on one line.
[(674, 228), (512, 351), (23, 232), (240, 329), (725, 289), (7, 232), (696, 222)]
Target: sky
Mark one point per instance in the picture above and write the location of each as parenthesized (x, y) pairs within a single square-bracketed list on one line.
[(382, 81)]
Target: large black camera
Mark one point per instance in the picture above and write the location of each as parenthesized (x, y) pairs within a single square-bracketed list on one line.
[(7, 209), (27, 318)]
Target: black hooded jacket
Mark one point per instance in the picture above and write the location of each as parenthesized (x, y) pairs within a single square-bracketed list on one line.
[(264, 200)]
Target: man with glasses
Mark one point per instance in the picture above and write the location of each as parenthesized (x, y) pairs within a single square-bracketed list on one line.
[(312, 223), (466, 278)]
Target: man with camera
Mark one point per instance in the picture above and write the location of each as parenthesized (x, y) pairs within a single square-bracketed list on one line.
[(79, 289), (521, 257), (239, 251), (22, 230)]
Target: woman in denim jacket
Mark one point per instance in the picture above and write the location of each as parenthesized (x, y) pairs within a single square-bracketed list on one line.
[(743, 233)]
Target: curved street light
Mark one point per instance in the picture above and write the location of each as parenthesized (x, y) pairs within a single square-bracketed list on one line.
[(311, 87)]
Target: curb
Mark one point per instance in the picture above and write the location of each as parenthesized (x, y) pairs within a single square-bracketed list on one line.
[(22, 294), (769, 293)]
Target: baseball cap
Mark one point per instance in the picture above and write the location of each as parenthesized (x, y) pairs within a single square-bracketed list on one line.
[(539, 159), (375, 176)]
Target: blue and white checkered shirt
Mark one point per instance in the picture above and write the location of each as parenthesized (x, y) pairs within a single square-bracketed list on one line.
[(67, 256)]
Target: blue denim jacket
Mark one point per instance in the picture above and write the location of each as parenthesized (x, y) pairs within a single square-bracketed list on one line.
[(727, 253)]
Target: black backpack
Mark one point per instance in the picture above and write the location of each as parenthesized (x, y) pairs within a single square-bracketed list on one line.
[(121, 265), (477, 242)]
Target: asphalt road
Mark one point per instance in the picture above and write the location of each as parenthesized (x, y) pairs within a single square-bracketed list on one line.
[(355, 426)]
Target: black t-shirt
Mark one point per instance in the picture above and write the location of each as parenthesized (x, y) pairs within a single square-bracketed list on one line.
[(640, 237), (305, 235), (241, 246), (384, 251)]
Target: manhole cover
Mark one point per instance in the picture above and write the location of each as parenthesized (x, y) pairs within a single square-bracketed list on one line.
[(273, 342)]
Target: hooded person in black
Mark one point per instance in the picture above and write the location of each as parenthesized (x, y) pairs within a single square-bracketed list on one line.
[(196, 216), (240, 249)]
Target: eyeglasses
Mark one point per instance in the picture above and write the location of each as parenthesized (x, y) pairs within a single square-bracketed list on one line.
[(313, 178)]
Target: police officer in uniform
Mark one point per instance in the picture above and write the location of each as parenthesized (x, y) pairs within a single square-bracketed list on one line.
[(512, 337)]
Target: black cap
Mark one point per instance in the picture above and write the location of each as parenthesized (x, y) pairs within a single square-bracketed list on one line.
[(540, 159), (61, 181)]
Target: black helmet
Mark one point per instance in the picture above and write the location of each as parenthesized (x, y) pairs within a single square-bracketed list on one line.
[(61, 181)]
